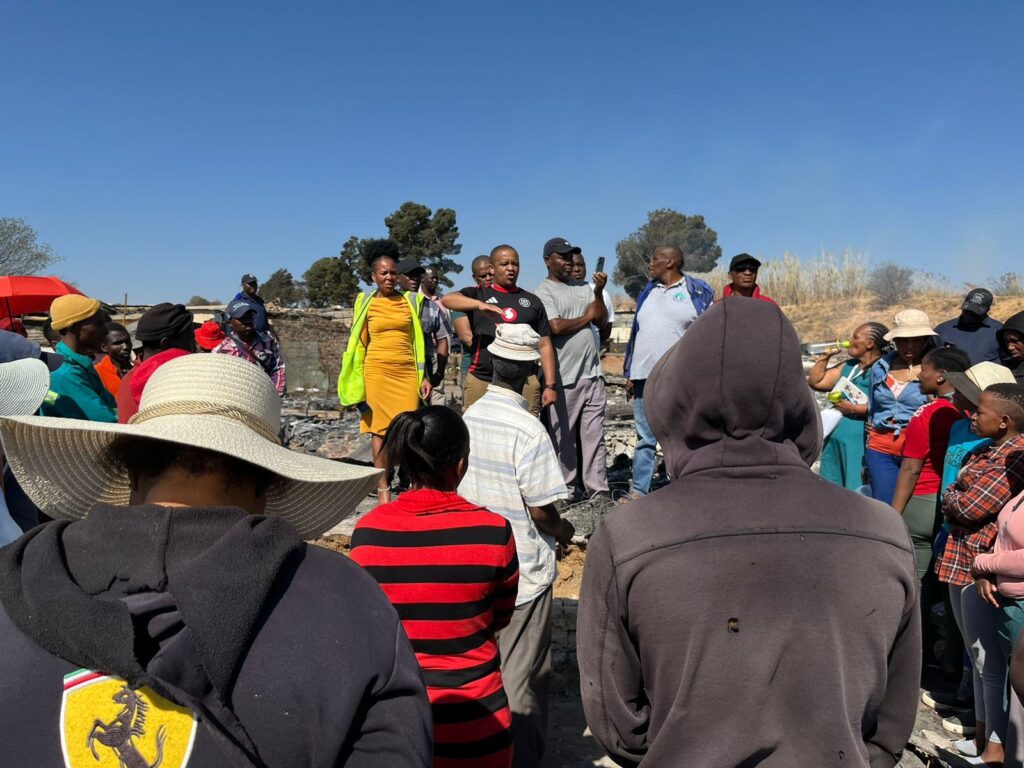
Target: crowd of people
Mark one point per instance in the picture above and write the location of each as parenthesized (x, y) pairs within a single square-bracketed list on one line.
[(173, 579)]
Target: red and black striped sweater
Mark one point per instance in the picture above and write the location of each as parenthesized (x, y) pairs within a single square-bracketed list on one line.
[(451, 571)]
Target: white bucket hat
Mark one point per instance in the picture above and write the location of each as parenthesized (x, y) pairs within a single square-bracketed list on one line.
[(216, 402), (23, 386), (515, 341), (910, 323)]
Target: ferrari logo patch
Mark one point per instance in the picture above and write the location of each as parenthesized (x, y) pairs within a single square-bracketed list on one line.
[(105, 724)]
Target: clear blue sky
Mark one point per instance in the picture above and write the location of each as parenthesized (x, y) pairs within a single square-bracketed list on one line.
[(166, 148)]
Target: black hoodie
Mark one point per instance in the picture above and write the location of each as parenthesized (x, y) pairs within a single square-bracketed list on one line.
[(1015, 323), (278, 653), (749, 612)]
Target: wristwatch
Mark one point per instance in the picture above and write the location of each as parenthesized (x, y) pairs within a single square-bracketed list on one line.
[(550, 386)]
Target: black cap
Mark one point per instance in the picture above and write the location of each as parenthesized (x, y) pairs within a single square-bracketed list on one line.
[(408, 266), (239, 308), (246, 279), (743, 258), (560, 245), (164, 321), (978, 301)]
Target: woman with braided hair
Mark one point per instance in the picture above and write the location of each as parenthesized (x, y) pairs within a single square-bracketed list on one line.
[(451, 570), (842, 455)]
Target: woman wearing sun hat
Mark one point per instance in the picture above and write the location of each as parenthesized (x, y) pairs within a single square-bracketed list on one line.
[(893, 397), (176, 575)]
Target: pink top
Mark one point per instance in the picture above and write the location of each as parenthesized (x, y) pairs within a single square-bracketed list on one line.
[(1006, 560)]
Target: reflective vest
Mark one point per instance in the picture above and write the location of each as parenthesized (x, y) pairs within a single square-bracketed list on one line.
[(351, 384)]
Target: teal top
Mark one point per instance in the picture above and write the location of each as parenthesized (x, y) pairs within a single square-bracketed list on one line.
[(842, 454), (80, 393)]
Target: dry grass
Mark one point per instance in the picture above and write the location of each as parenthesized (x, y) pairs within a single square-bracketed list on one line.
[(838, 319)]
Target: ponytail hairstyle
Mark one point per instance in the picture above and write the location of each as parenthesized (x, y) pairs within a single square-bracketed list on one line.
[(876, 332), (426, 443)]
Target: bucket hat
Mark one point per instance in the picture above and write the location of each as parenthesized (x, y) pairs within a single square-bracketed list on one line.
[(515, 341), (910, 323), (23, 386), (976, 379), (214, 402)]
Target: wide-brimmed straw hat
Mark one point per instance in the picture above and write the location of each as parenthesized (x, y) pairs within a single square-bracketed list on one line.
[(976, 379), (910, 323), (215, 402), (23, 386)]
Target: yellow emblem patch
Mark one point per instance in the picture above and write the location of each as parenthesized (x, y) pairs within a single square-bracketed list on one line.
[(105, 724)]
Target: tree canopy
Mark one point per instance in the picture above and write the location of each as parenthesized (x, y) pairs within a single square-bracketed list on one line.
[(281, 287), (430, 237), (665, 226), (335, 279), (21, 253)]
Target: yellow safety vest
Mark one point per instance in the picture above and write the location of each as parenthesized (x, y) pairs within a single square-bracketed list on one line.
[(351, 384)]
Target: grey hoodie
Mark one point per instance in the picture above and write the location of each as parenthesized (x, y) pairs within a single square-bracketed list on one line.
[(749, 612)]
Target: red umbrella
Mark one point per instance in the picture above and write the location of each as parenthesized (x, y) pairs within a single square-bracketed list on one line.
[(31, 294)]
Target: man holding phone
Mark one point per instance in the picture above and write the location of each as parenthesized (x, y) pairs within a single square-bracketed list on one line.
[(577, 418)]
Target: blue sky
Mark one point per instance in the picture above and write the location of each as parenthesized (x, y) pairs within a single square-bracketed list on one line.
[(166, 148)]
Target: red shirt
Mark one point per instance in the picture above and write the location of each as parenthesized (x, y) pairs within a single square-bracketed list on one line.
[(450, 569), (927, 437), (728, 291)]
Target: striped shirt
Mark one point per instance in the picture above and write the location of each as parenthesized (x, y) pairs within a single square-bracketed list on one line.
[(512, 464), (449, 567)]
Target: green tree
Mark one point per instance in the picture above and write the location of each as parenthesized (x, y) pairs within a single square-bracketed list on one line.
[(21, 253), (665, 226), (202, 301), (335, 279), (282, 288), (429, 236)]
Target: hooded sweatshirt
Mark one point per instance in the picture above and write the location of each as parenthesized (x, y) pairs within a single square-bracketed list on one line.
[(207, 638), (1015, 323), (749, 612)]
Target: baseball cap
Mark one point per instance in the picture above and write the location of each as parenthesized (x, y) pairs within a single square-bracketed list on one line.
[(237, 309), (560, 245), (976, 379), (14, 346), (743, 258), (246, 279), (978, 301), (408, 266)]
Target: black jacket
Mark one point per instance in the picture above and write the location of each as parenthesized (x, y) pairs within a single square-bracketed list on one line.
[(280, 654), (749, 612), (1014, 323)]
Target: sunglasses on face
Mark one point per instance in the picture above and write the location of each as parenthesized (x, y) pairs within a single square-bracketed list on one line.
[(745, 268)]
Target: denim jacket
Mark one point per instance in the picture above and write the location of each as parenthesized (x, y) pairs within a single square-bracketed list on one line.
[(701, 294), (885, 411)]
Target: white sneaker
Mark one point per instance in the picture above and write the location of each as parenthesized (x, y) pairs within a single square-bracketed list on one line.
[(966, 747)]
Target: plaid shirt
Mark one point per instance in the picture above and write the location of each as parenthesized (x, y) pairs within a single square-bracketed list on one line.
[(971, 505), (264, 352)]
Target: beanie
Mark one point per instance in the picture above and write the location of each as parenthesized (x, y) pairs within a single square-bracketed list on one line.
[(163, 321), (67, 310)]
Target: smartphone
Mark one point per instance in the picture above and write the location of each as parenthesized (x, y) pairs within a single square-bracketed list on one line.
[(600, 264)]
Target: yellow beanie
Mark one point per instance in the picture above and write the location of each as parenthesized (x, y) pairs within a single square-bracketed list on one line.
[(70, 309)]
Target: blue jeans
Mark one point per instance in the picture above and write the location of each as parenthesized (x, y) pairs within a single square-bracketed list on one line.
[(883, 469), (645, 455)]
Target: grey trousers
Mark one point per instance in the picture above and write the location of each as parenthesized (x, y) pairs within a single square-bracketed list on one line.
[(577, 420), (525, 646)]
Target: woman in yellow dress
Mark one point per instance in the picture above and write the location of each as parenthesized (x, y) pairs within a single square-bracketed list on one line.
[(391, 338)]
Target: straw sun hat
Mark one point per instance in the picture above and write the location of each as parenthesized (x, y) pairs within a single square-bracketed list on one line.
[(215, 402), (23, 386), (910, 323)]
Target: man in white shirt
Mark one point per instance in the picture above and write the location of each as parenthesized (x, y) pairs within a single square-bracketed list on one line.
[(665, 308), (513, 471)]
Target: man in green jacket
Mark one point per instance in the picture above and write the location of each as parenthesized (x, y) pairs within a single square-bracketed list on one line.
[(76, 390)]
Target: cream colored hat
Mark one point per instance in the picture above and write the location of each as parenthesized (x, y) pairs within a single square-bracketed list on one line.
[(910, 323), (976, 379), (23, 386), (515, 341), (216, 402)]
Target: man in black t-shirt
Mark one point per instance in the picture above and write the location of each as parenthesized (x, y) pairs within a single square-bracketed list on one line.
[(504, 302)]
